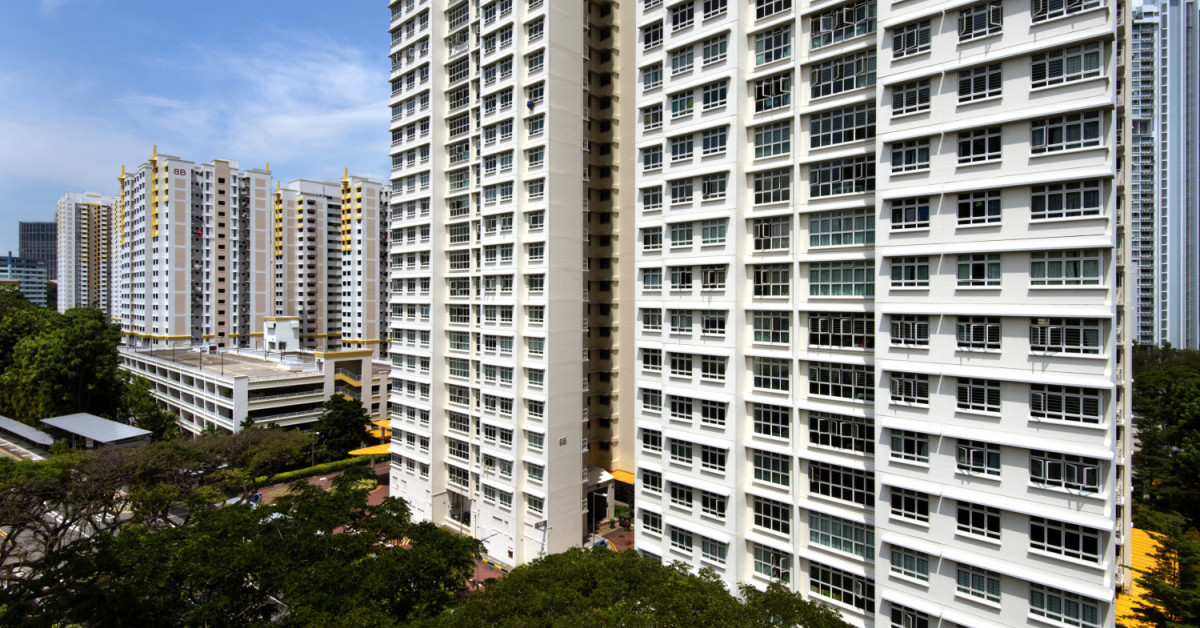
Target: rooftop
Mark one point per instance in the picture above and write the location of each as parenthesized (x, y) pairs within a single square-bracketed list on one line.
[(96, 428)]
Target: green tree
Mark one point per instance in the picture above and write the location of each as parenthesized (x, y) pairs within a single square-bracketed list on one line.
[(342, 427), (598, 587), (1166, 405), (311, 558), (140, 407), (1173, 585)]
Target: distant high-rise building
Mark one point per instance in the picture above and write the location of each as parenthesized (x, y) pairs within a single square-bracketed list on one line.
[(38, 240), (84, 232), (1165, 109), (29, 274)]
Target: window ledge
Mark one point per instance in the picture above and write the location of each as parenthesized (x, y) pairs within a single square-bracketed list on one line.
[(975, 537), (913, 55), (982, 162), (975, 101), (977, 476), (973, 350), (909, 347), (908, 579), (1100, 427), (977, 288), (924, 229), (1096, 9), (979, 413), (901, 173), (1034, 220), (1066, 491), (1071, 287), (909, 404), (967, 42), (909, 288), (907, 114), (1090, 79), (1102, 566), (1099, 357), (1069, 151), (911, 522), (909, 463), (977, 225)]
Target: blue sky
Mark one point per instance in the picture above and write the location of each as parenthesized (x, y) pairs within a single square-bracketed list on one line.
[(89, 85)]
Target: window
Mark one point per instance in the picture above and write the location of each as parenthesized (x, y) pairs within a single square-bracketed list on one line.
[(652, 158), (979, 271), (681, 363), (848, 124), (978, 395), (1066, 200), (681, 496), (652, 279), (772, 93), (979, 458), (848, 381), (681, 148), (843, 23), (773, 139), (910, 97), (652, 402), (910, 330), (978, 333), (841, 586), (904, 617), (712, 277), (1074, 473), (682, 191), (652, 118), (1065, 268), (1064, 539), (651, 320), (772, 468), (712, 458), (910, 272), (772, 280), (714, 49), (652, 76), (978, 582), (842, 535), (682, 16), (652, 239), (841, 330), (712, 504), (1067, 609), (681, 235), (681, 104), (682, 60), (652, 522), (910, 156), (712, 412), (681, 539), (713, 551), (978, 520), (652, 36), (843, 227), (712, 368), (979, 83), (850, 433), (712, 231), (911, 505), (681, 323), (843, 483), (910, 563), (1065, 335), (536, 125), (980, 20), (772, 563), (681, 451), (1066, 65), (773, 186), (852, 175), (772, 234), (713, 141), (772, 421), (844, 74), (1048, 9), (911, 39), (767, 8), (652, 481), (652, 199), (772, 515), (910, 446), (773, 45), (536, 61), (979, 208), (652, 360), (979, 145), (1067, 132), (772, 373), (714, 95), (1065, 403), (910, 213)]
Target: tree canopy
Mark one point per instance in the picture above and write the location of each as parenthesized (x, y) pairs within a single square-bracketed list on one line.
[(342, 427), (599, 587)]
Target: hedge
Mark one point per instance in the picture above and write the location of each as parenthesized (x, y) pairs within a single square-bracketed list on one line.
[(326, 467)]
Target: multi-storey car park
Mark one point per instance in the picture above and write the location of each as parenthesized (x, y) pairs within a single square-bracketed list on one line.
[(866, 325)]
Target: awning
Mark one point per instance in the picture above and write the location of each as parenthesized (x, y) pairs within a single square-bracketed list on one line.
[(374, 450), (382, 423), (624, 477)]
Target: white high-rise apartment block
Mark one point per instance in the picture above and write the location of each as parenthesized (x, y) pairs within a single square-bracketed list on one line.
[(870, 294), (84, 233), (501, 268)]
